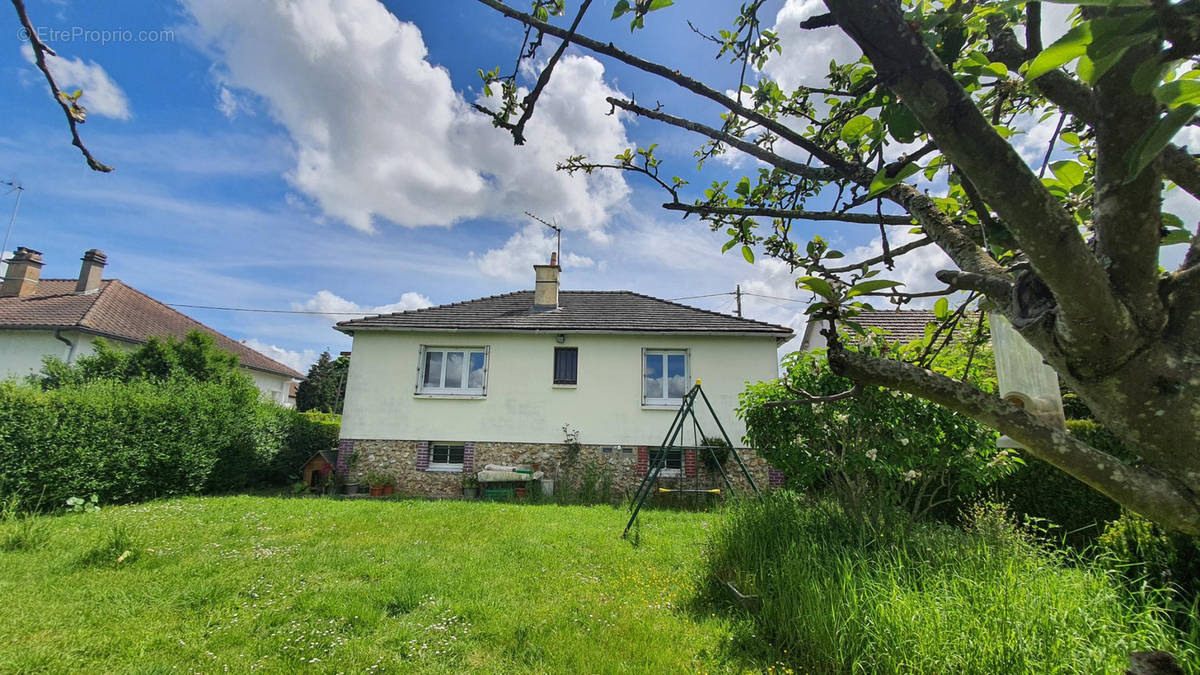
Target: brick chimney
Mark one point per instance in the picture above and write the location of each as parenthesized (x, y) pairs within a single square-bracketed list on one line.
[(545, 289), (89, 274), (24, 270)]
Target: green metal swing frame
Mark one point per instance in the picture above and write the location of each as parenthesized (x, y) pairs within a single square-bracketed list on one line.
[(687, 408)]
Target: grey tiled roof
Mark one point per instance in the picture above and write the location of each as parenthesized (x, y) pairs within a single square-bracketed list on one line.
[(615, 311), (904, 325)]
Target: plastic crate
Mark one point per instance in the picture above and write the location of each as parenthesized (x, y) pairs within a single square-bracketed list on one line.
[(498, 494)]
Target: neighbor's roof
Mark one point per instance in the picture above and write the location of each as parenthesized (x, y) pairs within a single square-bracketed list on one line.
[(904, 325), (117, 311), (578, 311)]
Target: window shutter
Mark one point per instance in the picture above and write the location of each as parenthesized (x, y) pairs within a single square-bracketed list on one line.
[(420, 369), (423, 456), (643, 460), (468, 457)]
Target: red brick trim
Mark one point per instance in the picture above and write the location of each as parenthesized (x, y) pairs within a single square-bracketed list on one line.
[(689, 463), (643, 460), (422, 455), (468, 456)]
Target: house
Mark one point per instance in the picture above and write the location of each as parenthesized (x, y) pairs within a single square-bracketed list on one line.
[(901, 325), (438, 392), (60, 317)]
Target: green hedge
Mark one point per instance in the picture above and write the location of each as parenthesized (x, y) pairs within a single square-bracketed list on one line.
[(140, 440), (1042, 491)]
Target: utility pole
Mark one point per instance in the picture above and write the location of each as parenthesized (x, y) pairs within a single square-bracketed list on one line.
[(738, 292)]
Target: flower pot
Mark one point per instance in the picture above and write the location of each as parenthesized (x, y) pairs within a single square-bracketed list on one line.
[(521, 493), (470, 492), (387, 489), (350, 489), (376, 490)]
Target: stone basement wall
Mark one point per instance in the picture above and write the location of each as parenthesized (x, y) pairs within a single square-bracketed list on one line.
[(625, 468)]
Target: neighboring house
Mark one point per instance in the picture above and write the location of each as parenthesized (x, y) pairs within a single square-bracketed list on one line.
[(438, 392), (901, 325), (61, 317)]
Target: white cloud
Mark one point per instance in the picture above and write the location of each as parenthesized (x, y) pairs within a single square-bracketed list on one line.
[(342, 309), (807, 53), (229, 103), (101, 96), (380, 132), (298, 361), (914, 269), (531, 245)]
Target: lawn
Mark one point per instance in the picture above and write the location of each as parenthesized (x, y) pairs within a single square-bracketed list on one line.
[(253, 583)]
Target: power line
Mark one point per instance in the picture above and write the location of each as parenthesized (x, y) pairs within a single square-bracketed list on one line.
[(270, 311), (773, 297), (697, 297)]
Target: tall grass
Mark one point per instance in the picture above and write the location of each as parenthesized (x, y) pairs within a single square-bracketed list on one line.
[(839, 597)]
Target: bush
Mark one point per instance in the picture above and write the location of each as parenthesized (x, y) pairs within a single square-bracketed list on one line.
[(1145, 554), (839, 597), (876, 449), (141, 439), (1040, 490)]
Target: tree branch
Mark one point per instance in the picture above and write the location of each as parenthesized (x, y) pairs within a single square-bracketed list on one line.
[(75, 113), (893, 253), (809, 399), (1090, 318), (797, 214), (996, 287), (758, 152), (518, 130), (845, 168), (1141, 489)]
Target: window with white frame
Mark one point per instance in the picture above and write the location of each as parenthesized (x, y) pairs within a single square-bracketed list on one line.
[(446, 457), (460, 371), (665, 376)]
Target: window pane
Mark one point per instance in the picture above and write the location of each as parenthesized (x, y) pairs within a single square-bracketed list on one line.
[(676, 375), (566, 360), (455, 454), (454, 370), (674, 458), (446, 454), (433, 369), (652, 376), (475, 379)]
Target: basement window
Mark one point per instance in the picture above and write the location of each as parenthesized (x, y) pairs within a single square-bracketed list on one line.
[(446, 457)]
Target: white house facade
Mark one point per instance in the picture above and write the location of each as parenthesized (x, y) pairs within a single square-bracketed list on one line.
[(434, 393)]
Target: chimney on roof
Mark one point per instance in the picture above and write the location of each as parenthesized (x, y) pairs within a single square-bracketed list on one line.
[(545, 289), (24, 270), (89, 274)]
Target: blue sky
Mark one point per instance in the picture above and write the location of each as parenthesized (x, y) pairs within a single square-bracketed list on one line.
[(321, 154)]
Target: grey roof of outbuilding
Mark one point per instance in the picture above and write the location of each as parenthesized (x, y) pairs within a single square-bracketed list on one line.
[(578, 311), (904, 325)]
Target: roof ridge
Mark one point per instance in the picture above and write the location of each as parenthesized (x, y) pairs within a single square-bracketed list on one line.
[(99, 296), (709, 311), (433, 307)]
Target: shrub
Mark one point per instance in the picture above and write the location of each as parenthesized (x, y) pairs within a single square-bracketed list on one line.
[(839, 597), (1040, 490), (875, 449), (1145, 554)]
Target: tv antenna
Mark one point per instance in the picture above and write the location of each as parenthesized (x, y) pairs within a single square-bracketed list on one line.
[(19, 189), (557, 232)]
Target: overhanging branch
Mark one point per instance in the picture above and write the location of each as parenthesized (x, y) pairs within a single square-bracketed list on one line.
[(796, 214), (1143, 490)]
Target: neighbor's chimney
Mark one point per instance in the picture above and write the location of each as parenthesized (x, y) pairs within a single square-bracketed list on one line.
[(545, 290), (24, 269), (89, 274)]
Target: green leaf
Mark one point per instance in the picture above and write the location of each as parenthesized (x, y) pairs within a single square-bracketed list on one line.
[(819, 286), (748, 254), (621, 8), (882, 181), (941, 309), (1069, 172), (1064, 50), (1178, 93), (743, 187), (1176, 237), (901, 123), (853, 130), (872, 286), (1156, 138), (656, 5)]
